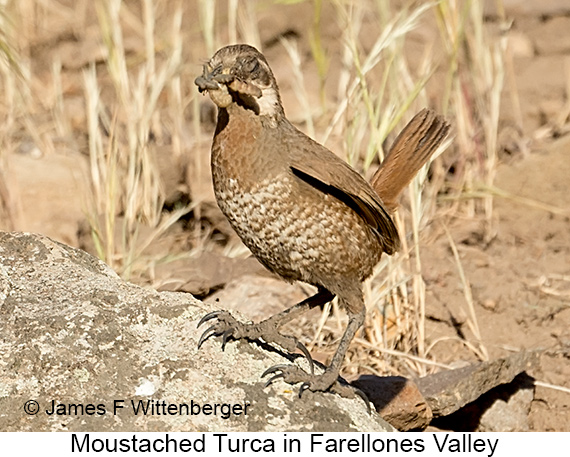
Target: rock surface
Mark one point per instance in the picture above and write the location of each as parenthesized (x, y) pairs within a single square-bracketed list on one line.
[(397, 400), (73, 333), (448, 391), (504, 408), (509, 407)]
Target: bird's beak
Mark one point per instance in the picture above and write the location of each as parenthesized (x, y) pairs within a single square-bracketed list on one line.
[(212, 79)]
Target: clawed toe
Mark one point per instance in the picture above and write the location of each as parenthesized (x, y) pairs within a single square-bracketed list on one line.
[(209, 316), (304, 386), (292, 374), (306, 353), (225, 337), (210, 331), (279, 369), (226, 326), (274, 369)]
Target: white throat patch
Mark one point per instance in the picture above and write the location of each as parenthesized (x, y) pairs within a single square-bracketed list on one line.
[(268, 102)]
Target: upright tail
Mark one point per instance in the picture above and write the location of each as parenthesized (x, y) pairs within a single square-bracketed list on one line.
[(411, 150)]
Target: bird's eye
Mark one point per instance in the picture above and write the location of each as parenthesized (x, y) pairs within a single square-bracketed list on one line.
[(250, 65)]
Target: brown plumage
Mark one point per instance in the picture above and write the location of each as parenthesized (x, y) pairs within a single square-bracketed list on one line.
[(301, 210)]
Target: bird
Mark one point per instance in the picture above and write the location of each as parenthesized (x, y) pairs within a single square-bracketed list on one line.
[(303, 212)]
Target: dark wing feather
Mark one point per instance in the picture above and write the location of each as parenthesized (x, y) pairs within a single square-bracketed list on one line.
[(316, 165)]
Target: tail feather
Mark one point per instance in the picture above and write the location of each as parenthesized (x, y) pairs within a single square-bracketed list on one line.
[(411, 150)]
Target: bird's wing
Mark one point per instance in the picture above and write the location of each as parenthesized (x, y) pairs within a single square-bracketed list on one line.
[(319, 167)]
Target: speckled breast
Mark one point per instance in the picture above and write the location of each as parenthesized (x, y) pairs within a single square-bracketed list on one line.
[(297, 231)]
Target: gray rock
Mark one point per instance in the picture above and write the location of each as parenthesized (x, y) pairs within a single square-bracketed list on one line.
[(448, 391), (510, 407), (73, 333), (504, 408)]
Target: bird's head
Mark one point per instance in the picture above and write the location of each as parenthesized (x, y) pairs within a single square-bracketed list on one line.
[(240, 74)]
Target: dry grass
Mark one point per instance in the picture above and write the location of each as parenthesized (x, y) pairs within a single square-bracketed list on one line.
[(124, 171), (137, 91)]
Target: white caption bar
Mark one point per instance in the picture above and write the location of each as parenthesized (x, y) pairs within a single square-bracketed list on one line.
[(284, 444)]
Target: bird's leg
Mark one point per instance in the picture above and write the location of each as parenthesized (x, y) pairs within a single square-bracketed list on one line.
[(267, 330), (327, 381)]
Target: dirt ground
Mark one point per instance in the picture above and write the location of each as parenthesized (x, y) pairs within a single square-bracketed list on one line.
[(519, 276)]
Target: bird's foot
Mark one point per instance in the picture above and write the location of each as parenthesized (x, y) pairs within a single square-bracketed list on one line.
[(227, 326), (326, 382)]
